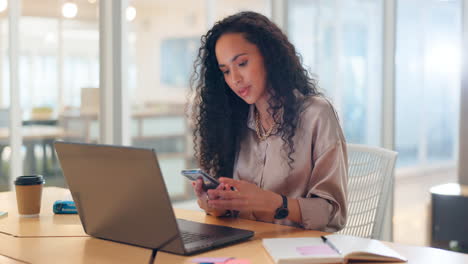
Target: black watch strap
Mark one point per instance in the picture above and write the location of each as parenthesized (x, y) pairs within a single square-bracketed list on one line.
[(285, 201), (282, 212)]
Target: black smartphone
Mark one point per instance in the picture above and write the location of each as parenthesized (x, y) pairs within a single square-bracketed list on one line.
[(208, 181)]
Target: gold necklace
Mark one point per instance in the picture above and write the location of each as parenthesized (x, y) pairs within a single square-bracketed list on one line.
[(259, 129)]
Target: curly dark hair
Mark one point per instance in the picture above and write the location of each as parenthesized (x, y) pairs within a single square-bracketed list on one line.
[(220, 116)]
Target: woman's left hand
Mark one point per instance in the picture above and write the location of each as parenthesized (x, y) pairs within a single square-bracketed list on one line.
[(246, 197)]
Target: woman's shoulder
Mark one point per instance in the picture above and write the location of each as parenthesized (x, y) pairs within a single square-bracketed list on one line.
[(317, 106), (320, 120)]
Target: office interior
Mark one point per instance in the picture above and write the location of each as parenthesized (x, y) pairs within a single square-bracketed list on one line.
[(392, 68)]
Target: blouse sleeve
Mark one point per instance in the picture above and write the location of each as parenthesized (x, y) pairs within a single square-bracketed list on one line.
[(324, 207)]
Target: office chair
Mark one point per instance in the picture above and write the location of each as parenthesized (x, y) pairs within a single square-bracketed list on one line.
[(370, 181)]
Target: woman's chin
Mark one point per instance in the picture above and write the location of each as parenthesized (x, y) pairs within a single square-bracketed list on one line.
[(248, 101)]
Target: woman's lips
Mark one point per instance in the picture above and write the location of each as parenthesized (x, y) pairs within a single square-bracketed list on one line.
[(244, 91)]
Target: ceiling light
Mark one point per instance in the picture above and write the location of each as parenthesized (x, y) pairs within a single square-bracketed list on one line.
[(3, 5), (130, 13), (69, 10)]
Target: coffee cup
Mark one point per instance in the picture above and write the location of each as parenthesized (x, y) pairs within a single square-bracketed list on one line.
[(29, 195)]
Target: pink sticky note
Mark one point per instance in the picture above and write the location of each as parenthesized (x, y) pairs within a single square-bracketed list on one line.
[(316, 250), (238, 261)]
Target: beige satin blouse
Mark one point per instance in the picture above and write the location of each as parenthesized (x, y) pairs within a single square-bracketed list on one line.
[(319, 175)]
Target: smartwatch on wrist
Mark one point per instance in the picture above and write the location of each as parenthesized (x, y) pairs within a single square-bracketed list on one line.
[(282, 211)]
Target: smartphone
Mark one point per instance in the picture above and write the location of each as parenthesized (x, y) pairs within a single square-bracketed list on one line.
[(208, 181)]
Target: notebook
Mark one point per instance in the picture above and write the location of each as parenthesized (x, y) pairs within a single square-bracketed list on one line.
[(338, 249)]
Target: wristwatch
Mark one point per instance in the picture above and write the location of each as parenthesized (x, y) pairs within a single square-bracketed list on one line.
[(282, 211)]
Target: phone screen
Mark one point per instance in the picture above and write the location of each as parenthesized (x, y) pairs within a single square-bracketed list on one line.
[(208, 181)]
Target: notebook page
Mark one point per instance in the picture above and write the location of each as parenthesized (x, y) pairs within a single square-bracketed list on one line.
[(300, 250), (351, 244)]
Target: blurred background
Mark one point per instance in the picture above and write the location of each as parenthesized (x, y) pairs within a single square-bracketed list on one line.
[(341, 43)]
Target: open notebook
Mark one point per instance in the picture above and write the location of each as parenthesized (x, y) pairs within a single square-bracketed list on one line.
[(314, 250)]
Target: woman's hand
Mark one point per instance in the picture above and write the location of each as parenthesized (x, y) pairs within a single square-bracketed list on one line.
[(204, 197), (246, 197)]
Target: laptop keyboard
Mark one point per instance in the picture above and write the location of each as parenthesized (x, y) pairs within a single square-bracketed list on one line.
[(189, 237)]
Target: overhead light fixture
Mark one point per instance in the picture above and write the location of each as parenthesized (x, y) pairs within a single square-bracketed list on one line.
[(130, 13), (69, 10), (3, 5)]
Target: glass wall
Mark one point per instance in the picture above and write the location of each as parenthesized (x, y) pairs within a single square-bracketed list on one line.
[(4, 100), (340, 41), (341, 44), (427, 81), (58, 81), (163, 38)]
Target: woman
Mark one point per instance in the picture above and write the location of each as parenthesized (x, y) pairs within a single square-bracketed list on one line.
[(264, 130)]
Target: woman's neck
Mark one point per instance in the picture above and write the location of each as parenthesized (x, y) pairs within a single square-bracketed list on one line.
[(265, 118)]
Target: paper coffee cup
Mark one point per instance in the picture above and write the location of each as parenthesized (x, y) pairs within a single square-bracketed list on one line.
[(29, 195)]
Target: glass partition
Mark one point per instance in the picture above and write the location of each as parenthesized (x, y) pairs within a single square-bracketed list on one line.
[(58, 80), (4, 102), (341, 44), (427, 81)]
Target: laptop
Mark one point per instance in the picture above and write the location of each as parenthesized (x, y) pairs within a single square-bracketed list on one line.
[(121, 196)]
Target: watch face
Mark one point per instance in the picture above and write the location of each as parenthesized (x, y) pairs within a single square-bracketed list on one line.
[(281, 213)]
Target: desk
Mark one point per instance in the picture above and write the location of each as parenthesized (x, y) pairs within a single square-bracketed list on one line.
[(32, 135), (34, 242), (34, 132), (48, 225), (70, 250), (44, 122)]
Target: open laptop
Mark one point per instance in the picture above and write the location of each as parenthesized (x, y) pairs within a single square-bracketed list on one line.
[(121, 196)]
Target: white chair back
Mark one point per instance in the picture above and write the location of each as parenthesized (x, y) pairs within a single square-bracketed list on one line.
[(370, 182)]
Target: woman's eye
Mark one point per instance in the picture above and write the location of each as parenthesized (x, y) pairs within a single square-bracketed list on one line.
[(225, 72), (243, 63)]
